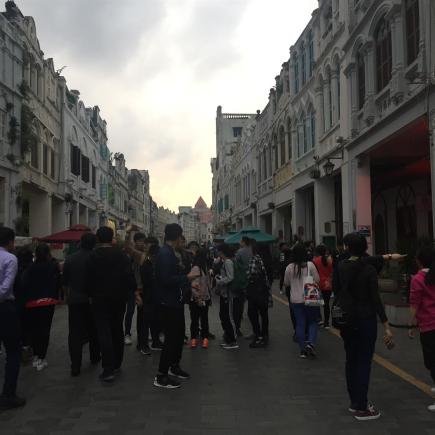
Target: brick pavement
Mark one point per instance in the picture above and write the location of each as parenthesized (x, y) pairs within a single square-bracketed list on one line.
[(246, 392)]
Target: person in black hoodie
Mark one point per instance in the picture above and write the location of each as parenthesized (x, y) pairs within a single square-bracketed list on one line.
[(42, 283), (169, 282), (357, 284), (80, 319), (110, 280)]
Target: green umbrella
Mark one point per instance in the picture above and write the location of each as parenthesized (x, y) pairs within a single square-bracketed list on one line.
[(251, 232), (225, 236)]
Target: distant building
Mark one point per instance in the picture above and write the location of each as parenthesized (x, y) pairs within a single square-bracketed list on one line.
[(205, 221)]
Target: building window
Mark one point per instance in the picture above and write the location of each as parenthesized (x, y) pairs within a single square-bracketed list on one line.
[(94, 177), (282, 145), (85, 169), (237, 131), (361, 78), (289, 139), (303, 65), (2, 125), (226, 202), (264, 164), (338, 92), (311, 52), (383, 53), (412, 29), (269, 157), (313, 129), (52, 164), (75, 160), (45, 159), (301, 138), (275, 147), (296, 74), (34, 158)]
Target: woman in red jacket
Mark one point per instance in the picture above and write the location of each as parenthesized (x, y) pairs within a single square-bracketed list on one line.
[(324, 265)]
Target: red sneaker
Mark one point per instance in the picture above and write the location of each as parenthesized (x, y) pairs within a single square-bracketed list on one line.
[(205, 343), (193, 343)]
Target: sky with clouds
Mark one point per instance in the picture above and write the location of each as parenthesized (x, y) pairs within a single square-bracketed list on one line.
[(158, 69)]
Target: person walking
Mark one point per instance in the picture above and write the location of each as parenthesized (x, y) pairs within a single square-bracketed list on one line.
[(9, 321), (110, 281), (358, 296), (200, 301), (169, 283), (422, 309), (258, 299), (81, 323), (325, 267), (223, 288), (42, 283), (306, 317), (284, 261)]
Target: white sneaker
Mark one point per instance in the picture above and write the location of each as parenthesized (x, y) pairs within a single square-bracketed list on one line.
[(42, 364), (127, 340), (431, 407), (432, 389), (35, 361)]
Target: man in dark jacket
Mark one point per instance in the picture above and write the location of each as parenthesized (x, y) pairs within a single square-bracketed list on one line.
[(110, 282), (80, 319), (168, 291)]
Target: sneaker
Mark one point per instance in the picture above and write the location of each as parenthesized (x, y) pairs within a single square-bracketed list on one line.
[(230, 346), (432, 390), (178, 373), (194, 343), (310, 350), (258, 343), (303, 355), (11, 402), (157, 346), (164, 381), (145, 350), (107, 376), (370, 414), (431, 408), (127, 340), (205, 343), (42, 364)]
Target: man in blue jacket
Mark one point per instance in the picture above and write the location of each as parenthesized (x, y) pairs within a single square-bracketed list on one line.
[(169, 283)]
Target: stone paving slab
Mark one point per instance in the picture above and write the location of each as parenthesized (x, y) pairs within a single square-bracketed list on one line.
[(245, 392)]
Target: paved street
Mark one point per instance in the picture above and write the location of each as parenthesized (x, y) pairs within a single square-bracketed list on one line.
[(244, 392)]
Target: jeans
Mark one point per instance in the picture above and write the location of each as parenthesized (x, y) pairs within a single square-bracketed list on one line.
[(198, 314), (172, 319), (306, 318), (131, 305), (226, 311), (40, 320), (10, 337), (256, 310), (359, 344), (427, 340), (81, 328), (108, 315), (147, 321), (326, 307)]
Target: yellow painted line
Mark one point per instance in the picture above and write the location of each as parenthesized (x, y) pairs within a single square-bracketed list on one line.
[(422, 386)]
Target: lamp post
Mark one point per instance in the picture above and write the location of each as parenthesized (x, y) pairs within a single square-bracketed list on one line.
[(328, 167)]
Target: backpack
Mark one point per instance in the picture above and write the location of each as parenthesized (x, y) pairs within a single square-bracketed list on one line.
[(240, 282)]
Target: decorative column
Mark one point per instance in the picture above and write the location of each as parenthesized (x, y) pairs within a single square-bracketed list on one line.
[(327, 104), (320, 111), (334, 91), (352, 89), (370, 82)]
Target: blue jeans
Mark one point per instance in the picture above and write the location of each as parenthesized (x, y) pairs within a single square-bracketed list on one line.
[(306, 317), (359, 344)]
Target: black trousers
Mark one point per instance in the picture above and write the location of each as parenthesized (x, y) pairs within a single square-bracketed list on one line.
[(109, 316), (198, 314), (40, 320), (326, 307), (172, 319), (427, 340), (81, 328), (238, 308), (226, 311), (10, 337), (147, 321), (359, 344), (292, 314), (257, 310)]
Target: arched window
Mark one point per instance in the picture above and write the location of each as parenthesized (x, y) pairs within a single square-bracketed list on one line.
[(313, 128), (361, 78), (309, 130), (383, 53), (282, 145), (275, 149), (338, 90), (269, 159), (301, 135), (303, 64), (296, 74), (289, 139), (311, 52), (412, 29)]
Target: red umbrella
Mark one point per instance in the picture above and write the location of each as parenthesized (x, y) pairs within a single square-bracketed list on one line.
[(74, 234)]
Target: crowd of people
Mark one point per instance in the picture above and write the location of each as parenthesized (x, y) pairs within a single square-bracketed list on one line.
[(105, 283)]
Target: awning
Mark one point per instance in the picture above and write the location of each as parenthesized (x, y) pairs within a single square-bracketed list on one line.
[(251, 232), (74, 234)]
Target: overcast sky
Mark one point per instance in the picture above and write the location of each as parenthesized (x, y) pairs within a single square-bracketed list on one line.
[(159, 68)]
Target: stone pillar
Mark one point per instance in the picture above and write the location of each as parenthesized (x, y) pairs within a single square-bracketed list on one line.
[(352, 89), (370, 82), (320, 120), (324, 206), (334, 91), (398, 53), (346, 190), (327, 104)]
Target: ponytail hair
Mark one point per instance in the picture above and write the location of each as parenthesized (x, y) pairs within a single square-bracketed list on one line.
[(321, 252)]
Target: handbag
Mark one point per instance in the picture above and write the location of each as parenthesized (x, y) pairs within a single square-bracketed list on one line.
[(312, 294)]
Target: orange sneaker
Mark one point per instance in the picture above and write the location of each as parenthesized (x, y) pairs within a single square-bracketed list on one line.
[(205, 343), (193, 343)]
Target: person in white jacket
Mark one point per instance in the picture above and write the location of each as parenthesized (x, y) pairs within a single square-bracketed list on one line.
[(307, 317)]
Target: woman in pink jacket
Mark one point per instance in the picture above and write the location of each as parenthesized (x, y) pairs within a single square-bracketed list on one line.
[(422, 306)]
